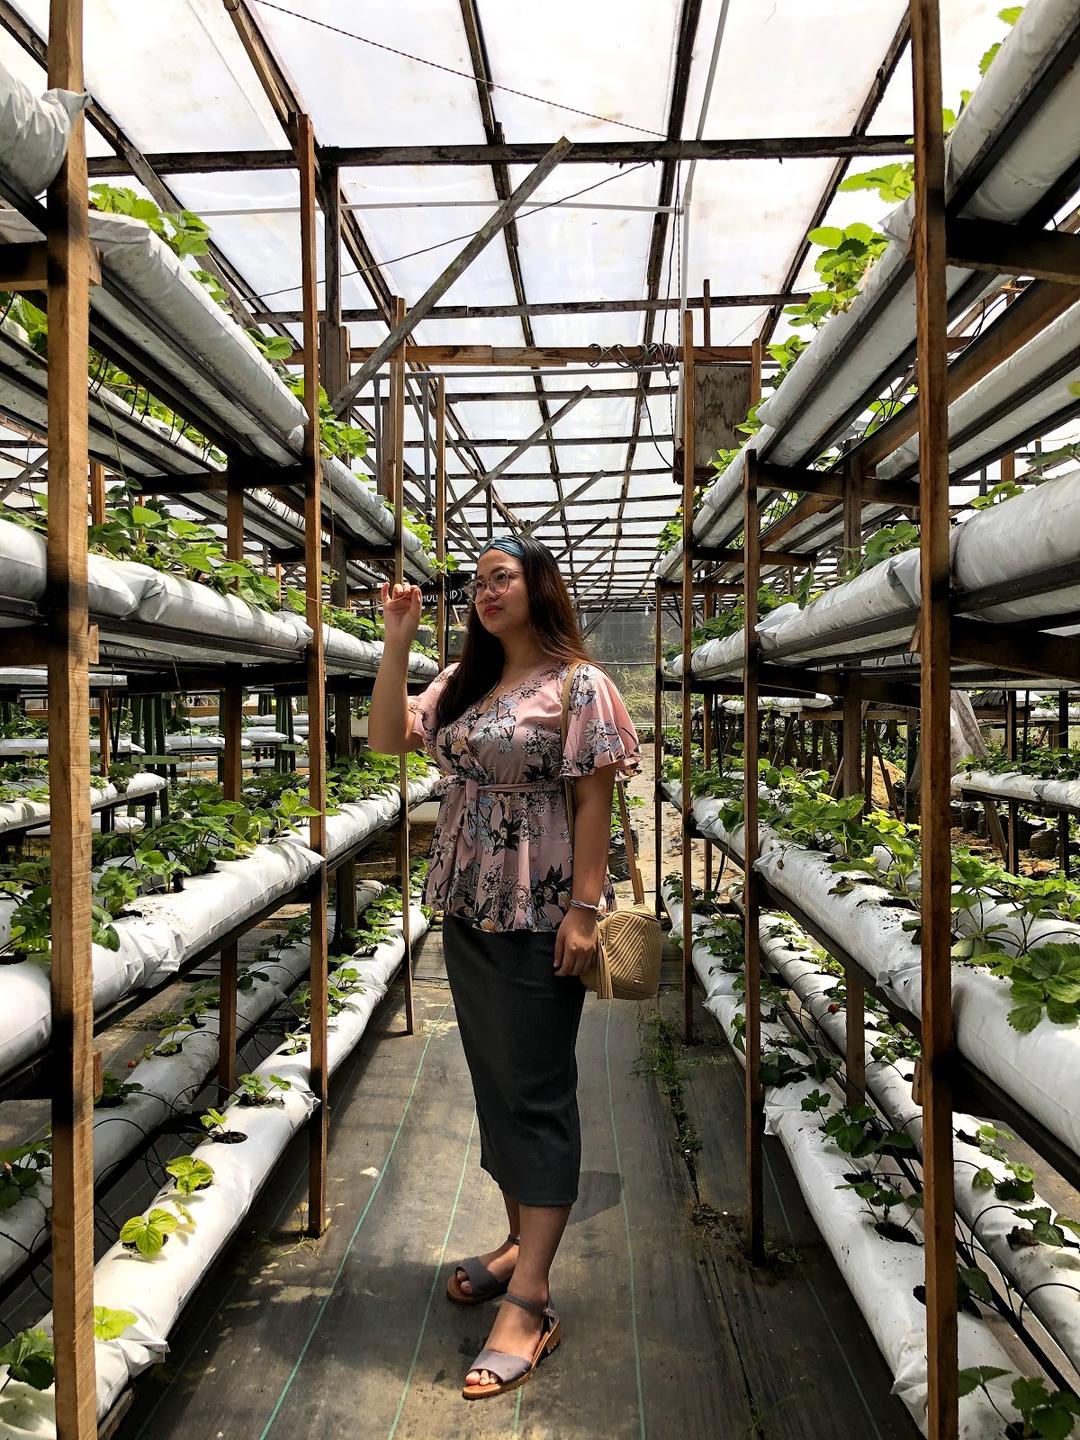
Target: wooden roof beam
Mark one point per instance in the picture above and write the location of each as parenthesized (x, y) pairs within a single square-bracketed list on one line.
[(595, 152)]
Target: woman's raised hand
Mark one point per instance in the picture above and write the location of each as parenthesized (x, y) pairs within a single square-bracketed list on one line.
[(401, 613)]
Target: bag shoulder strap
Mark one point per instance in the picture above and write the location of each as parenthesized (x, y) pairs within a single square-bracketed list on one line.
[(620, 786), (568, 785)]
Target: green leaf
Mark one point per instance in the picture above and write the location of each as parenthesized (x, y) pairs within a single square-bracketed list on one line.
[(827, 235), (976, 1376), (1025, 1017), (111, 1324), (977, 1283), (190, 1174), (30, 1358)]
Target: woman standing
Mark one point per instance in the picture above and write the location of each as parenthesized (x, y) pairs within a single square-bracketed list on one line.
[(520, 901)]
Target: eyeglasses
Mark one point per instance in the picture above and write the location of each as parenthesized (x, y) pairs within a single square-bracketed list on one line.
[(498, 582)]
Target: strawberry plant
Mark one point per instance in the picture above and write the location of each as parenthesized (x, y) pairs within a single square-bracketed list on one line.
[(1044, 1414), (216, 1126), (190, 1174), (1044, 1228), (115, 1091), (254, 1090), (21, 1170), (111, 1324), (29, 1357), (146, 1235)]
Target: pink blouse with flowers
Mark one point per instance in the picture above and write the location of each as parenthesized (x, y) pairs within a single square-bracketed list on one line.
[(501, 855)]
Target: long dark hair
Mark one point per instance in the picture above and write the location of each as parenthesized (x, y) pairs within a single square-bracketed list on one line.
[(552, 620)]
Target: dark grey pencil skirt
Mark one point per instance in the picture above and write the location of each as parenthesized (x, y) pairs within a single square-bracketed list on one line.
[(519, 1025)]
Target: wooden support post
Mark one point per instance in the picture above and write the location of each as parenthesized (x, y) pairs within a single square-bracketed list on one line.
[(929, 251), (851, 782), (755, 1096), (440, 515), (708, 700), (658, 753), (397, 465), (345, 876), (316, 683), (1063, 817), (1012, 839), (71, 975), (232, 713), (688, 384), (104, 704)]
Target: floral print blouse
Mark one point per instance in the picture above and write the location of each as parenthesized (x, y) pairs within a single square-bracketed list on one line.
[(501, 856)]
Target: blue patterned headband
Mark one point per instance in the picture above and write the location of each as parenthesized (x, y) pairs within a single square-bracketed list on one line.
[(508, 544)]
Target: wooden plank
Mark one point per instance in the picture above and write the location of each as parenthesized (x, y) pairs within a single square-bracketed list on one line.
[(754, 1115), (721, 404), (658, 753), (1023, 651), (596, 152), (1052, 255), (524, 310), (396, 455), (23, 266), (929, 250), (232, 714), (548, 355), (316, 680), (71, 976), (832, 483), (440, 514), (688, 393)]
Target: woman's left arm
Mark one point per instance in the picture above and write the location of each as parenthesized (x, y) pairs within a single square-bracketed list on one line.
[(575, 946)]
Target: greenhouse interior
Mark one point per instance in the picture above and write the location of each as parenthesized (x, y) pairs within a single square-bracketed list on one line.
[(300, 301)]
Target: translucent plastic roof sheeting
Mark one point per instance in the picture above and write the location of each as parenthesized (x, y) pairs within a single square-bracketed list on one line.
[(597, 71)]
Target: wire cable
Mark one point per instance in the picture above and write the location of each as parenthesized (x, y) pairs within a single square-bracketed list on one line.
[(460, 74)]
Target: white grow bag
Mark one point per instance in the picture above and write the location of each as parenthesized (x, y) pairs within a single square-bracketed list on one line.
[(34, 132), (206, 349), (1014, 392), (873, 335), (1040, 1273), (157, 1290)]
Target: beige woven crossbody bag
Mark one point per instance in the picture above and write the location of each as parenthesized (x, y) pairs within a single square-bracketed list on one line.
[(630, 940)]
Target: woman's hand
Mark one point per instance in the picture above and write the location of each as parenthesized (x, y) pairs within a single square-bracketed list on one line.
[(576, 942), (401, 614)]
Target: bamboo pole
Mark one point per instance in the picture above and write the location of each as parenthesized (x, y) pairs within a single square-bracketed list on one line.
[(687, 627), (396, 454), (104, 705), (928, 247), (316, 682), (754, 1118), (71, 976)]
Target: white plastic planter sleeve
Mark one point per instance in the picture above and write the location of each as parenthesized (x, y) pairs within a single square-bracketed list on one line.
[(882, 1275), (871, 337), (1040, 533), (157, 1290), (17, 812), (208, 354), (1014, 392), (34, 132), (1044, 1275), (888, 590)]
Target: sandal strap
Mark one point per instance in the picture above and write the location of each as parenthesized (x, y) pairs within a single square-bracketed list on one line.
[(545, 1311), (483, 1282), (498, 1363)]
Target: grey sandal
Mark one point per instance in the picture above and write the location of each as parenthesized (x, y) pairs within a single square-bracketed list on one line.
[(514, 1370), (485, 1285)]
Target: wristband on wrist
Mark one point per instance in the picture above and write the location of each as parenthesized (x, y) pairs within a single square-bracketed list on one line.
[(583, 905)]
